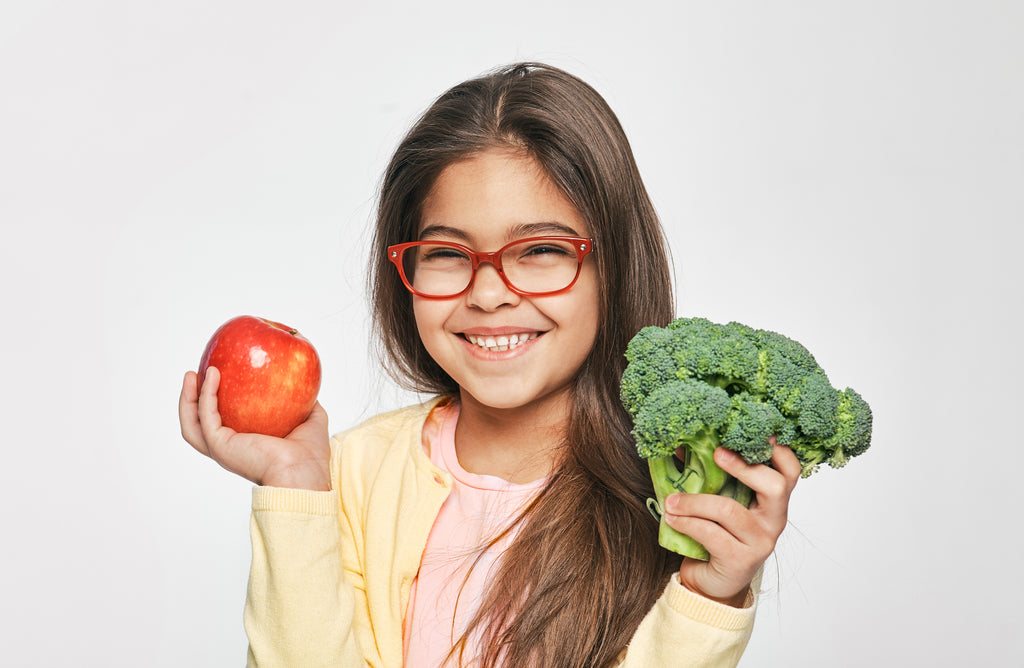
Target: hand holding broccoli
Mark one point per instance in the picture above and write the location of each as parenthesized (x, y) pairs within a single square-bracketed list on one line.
[(738, 539), (698, 385)]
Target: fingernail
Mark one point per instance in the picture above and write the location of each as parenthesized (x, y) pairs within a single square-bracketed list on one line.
[(672, 502)]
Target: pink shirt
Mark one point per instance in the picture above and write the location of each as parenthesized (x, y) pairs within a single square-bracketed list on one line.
[(455, 567)]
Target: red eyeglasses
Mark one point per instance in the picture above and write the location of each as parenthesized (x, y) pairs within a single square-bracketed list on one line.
[(534, 267)]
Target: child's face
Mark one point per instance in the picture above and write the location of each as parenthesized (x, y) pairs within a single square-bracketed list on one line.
[(484, 203)]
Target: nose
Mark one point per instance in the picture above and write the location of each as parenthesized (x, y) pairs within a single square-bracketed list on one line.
[(489, 291)]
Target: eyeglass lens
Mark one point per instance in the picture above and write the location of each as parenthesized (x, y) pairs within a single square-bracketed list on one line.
[(530, 266)]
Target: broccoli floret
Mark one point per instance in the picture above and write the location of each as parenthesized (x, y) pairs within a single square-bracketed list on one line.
[(749, 425), (851, 438), (655, 346), (695, 385)]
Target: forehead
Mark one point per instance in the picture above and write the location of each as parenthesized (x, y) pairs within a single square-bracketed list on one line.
[(495, 196)]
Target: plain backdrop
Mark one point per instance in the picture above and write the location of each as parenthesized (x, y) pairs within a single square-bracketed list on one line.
[(848, 173)]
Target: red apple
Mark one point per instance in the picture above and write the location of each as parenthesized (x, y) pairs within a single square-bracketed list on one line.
[(269, 375)]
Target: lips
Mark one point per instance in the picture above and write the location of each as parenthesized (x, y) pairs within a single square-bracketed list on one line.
[(502, 342)]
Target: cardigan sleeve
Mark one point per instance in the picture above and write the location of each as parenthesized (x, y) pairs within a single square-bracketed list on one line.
[(684, 629), (299, 609)]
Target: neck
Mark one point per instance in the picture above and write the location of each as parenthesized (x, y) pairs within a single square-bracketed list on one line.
[(518, 444)]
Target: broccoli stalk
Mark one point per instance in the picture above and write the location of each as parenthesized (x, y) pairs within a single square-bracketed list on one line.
[(668, 479), (694, 386), (699, 475)]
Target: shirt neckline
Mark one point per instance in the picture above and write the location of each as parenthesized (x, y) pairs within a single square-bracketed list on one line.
[(449, 459)]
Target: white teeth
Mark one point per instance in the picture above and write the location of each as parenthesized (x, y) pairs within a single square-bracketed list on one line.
[(501, 343)]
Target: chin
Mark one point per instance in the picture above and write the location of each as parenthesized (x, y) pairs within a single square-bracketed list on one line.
[(511, 402)]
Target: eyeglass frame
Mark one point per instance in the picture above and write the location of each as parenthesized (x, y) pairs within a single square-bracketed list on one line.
[(582, 245)]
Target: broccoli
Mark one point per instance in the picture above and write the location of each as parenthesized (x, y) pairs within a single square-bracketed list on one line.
[(698, 385)]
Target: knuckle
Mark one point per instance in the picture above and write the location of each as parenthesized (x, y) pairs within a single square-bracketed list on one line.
[(777, 487), (734, 512)]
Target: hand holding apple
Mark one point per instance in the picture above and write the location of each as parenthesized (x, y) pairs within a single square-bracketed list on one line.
[(299, 460)]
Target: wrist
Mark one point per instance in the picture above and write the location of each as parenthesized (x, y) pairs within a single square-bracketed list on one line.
[(289, 479), (734, 600)]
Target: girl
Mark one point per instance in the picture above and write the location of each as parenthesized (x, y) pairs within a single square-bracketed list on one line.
[(503, 522)]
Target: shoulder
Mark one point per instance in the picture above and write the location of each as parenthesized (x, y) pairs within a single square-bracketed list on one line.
[(388, 425), (383, 440)]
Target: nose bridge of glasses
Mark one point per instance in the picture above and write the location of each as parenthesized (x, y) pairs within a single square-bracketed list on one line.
[(494, 260)]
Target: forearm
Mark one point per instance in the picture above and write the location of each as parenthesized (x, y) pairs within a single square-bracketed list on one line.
[(298, 610)]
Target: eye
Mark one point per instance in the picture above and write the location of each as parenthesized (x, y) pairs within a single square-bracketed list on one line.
[(538, 251), (541, 249), (441, 253)]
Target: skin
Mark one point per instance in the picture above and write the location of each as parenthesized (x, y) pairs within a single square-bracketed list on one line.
[(514, 402), (301, 460)]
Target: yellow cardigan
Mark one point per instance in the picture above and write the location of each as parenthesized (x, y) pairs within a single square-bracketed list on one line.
[(331, 571)]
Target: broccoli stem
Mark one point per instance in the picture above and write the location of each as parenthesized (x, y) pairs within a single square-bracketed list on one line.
[(700, 475), (700, 460), (668, 479), (734, 489)]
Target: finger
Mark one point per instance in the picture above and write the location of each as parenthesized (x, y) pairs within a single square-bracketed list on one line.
[(209, 416), (733, 536), (698, 512), (188, 413), (318, 415), (771, 487), (315, 422), (722, 545), (785, 461)]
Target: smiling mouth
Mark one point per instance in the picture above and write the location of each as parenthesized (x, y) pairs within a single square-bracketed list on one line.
[(500, 343)]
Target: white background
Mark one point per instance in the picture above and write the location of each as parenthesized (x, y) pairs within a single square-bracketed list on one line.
[(851, 174)]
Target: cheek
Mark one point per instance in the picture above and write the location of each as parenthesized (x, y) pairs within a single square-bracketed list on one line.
[(590, 295), (583, 315), (429, 322), (591, 323)]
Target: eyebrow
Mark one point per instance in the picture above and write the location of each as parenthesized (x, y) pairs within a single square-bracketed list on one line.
[(544, 228), (541, 229), (434, 231)]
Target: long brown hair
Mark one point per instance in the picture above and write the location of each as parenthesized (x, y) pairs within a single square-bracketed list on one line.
[(586, 565)]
